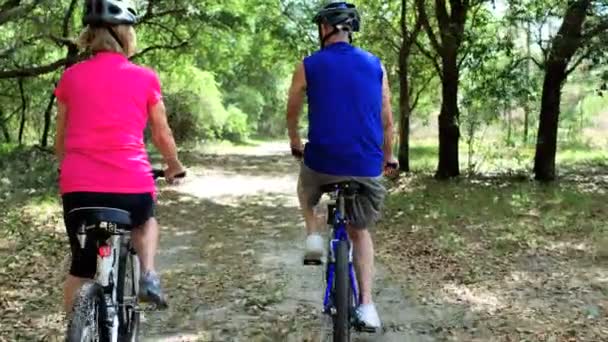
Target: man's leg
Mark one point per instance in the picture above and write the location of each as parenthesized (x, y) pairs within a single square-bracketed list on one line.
[(314, 242), (307, 211), (364, 262)]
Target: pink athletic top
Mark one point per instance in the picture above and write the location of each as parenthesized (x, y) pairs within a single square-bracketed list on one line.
[(108, 99)]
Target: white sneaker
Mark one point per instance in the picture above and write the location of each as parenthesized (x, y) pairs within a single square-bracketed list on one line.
[(314, 249), (368, 317)]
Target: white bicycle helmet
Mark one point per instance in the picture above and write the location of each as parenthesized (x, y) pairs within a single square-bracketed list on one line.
[(103, 13)]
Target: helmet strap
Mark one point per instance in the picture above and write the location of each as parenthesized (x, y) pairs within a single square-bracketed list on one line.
[(115, 36), (324, 39)]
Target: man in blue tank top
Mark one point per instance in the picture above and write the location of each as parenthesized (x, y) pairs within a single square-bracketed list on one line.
[(349, 137)]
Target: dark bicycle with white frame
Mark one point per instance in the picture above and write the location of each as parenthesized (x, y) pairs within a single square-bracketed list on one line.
[(106, 308)]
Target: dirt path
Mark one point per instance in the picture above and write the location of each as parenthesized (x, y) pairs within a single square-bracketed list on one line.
[(231, 259)]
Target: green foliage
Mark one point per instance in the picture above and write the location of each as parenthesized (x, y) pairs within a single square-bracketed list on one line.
[(250, 101), (240, 55), (197, 94), (236, 127)]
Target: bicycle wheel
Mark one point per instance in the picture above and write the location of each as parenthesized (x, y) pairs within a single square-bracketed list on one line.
[(342, 295), (87, 322), (127, 291)]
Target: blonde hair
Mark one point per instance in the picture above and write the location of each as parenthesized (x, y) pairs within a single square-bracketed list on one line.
[(99, 39)]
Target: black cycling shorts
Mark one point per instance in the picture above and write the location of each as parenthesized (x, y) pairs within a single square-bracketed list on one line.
[(84, 261)]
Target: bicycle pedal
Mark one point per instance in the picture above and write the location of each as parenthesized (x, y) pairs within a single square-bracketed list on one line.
[(360, 327), (313, 262), (368, 330)]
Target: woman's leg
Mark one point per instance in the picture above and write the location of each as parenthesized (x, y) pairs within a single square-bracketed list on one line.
[(145, 242), (70, 288)]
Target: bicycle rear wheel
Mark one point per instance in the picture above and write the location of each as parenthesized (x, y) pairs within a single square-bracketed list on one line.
[(88, 318), (342, 294), (126, 294)]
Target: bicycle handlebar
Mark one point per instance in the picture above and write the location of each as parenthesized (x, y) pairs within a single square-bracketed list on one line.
[(299, 154), (393, 166), (158, 173)]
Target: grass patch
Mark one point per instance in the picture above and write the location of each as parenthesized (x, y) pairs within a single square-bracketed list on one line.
[(523, 212), (501, 252)]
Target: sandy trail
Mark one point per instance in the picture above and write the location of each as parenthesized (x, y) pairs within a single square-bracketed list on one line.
[(231, 259)]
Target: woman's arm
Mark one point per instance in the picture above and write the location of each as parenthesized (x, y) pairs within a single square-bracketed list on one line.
[(62, 111), (162, 137)]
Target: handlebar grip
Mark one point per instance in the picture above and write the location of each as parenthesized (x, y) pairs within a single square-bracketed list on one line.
[(157, 173), (180, 175), (393, 166), (297, 153)]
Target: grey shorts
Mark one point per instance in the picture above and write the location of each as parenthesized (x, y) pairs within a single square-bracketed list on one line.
[(367, 205)]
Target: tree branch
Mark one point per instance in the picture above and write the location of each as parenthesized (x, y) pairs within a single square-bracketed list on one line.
[(390, 25), (164, 27), (580, 60), (10, 14), (427, 26), (9, 50), (285, 11), (153, 15), (432, 58), (62, 41), (159, 47), (468, 49), (40, 70), (67, 17), (597, 30), (425, 85)]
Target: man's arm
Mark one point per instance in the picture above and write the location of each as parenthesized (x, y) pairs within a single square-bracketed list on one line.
[(294, 105), (387, 118)]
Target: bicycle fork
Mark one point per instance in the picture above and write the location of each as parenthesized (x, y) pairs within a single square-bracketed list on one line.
[(331, 271), (107, 277)]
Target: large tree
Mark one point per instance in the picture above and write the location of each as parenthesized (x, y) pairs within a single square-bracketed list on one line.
[(450, 20), (580, 37), (398, 52), (37, 43)]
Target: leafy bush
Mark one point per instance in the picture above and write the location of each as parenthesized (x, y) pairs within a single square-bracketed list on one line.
[(236, 128), (250, 101), (183, 121), (195, 104)]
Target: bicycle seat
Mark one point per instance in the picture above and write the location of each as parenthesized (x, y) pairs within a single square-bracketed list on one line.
[(349, 187), (94, 215)]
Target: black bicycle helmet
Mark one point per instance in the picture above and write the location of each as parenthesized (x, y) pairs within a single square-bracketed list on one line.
[(99, 13), (339, 14)]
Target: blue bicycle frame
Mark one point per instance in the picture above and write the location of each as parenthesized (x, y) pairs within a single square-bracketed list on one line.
[(339, 234)]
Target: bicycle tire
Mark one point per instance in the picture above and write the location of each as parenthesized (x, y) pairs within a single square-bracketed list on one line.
[(342, 294), (126, 295), (89, 312)]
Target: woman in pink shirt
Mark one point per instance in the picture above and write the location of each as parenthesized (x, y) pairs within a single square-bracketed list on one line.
[(104, 104)]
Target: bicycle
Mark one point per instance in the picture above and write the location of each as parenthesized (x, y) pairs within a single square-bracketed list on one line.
[(341, 296), (106, 308)]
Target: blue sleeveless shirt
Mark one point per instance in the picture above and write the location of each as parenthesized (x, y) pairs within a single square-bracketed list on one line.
[(345, 133)]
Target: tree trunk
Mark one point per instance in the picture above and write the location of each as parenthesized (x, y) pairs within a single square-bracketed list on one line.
[(449, 132), (528, 71), (5, 132), (404, 105), (404, 121), (564, 46), (508, 114), (72, 59), (23, 111), (44, 141), (546, 142)]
